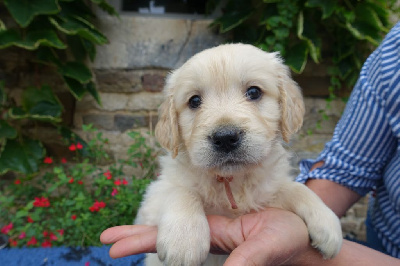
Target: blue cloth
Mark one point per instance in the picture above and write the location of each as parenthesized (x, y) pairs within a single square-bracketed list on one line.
[(364, 152), (67, 256)]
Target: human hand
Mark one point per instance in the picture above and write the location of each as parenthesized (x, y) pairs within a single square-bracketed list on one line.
[(269, 237)]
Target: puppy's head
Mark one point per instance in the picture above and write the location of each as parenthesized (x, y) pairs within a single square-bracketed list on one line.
[(226, 106)]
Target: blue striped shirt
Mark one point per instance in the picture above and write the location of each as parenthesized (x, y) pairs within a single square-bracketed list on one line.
[(364, 152)]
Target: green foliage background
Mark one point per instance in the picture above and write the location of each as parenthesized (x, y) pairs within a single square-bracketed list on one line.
[(59, 34), (338, 33)]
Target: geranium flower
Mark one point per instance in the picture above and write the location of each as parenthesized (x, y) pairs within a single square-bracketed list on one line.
[(12, 242), (124, 182), (41, 202), (32, 241), (79, 146), (22, 235), (71, 180), (60, 231), (114, 192), (29, 219), (117, 182), (45, 233), (63, 160), (17, 181), (108, 175), (53, 237), (48, 160), (97, 206), (5, 229), (72, 147), (73, 217), (80, 182), (46, 244)]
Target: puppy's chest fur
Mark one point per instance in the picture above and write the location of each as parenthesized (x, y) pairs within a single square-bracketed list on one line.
[(252, 191)]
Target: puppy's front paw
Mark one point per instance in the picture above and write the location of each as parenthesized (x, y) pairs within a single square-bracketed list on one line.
[(183, 242), (325, 233)]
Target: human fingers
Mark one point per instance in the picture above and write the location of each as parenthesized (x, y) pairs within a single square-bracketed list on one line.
[(130, 240), (113, 234)]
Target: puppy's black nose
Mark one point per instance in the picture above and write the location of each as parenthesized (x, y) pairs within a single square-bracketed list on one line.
[(227, 138)]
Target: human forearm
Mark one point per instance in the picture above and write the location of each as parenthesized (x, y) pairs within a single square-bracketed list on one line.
[(337, 197), (351, 254)]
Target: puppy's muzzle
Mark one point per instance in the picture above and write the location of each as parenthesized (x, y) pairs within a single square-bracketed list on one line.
[(226, 138)]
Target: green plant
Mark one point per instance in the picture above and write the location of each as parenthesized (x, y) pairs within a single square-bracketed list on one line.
[(71, 203), (56, 37), (338, 33)]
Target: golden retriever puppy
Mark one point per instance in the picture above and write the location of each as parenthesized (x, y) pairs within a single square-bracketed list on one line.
[(226, 114)]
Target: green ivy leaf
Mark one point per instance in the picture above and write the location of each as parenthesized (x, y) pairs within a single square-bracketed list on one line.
[(364, 31), (23, 157), (306, 31), (234, 18), (296, 57), (40, 104), (327, 6), (91, 88), (106, 7), (3, 95), (32, 40), (76, 70), (46, 55), (76, 88), (366, 14), (78, 26), (7, 131), (23, 11), (2, 25)]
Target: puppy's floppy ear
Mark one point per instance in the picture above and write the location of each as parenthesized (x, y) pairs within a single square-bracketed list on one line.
[(167, 131), (292, 105)]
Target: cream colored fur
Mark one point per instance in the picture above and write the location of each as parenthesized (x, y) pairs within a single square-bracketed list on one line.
[(187, 190)]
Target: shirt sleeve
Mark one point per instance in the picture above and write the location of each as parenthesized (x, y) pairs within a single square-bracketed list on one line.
[(363, 141)]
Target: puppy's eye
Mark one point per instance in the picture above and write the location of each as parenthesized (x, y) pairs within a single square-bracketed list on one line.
[(194, 102), (253, 93)]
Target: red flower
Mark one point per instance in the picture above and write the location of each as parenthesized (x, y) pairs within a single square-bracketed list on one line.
[(93, 209), (79, 146), (29, 219), (114, 192), (5, 229), (73, 217), (124, 182), (12, 242), (117, 182), (87, 263), (17, 181), (80, 182), (45, 233), (71, 180), (22, 235), (63, 160), (32, 241), (53, 237), (72, 147), (60, 231), (48, 160), (46, 244), (97, 206), (41, 202), (108, 175)]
